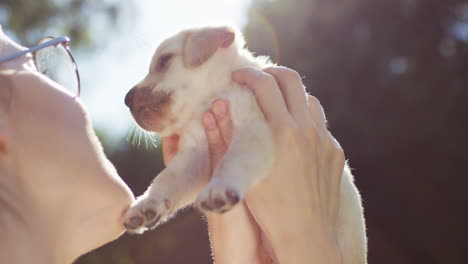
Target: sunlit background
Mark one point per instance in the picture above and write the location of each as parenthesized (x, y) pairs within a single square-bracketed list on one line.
[(392, 76)]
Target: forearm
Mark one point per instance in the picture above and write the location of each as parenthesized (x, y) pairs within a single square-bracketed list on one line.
[(234, 237)]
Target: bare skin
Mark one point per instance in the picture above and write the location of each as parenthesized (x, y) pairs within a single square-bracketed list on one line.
[(290, 216), (59, 195)]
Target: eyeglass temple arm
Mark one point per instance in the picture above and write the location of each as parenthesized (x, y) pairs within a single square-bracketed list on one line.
[(52, 42)]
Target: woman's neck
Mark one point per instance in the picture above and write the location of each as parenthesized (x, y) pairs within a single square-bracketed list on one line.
[(34, 231), (24, 239), (28, 234)]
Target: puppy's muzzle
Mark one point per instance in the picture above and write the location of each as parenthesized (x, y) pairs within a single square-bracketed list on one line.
[(149, 108)]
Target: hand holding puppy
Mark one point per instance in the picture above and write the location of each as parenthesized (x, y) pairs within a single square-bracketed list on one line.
[(309, 209), (291, 216)]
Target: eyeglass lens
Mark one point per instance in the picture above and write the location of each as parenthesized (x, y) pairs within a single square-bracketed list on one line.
[(56, 63)]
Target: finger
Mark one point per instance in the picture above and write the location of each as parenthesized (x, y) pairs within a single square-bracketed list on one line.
[(223, 119), (216, 144), (169, 147), (267, 93), (317, 113), (293, 90)]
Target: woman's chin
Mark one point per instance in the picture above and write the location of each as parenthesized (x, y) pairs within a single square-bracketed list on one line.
[(101, 227)]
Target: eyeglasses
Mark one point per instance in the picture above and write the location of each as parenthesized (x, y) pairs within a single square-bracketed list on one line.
[(53, 58)]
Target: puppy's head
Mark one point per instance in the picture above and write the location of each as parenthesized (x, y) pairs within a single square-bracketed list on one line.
[(177, 76)]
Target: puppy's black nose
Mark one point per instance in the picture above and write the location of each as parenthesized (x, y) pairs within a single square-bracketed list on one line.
[(129, 98)]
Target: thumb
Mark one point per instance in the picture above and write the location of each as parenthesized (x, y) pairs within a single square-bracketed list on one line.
[(216, 144)]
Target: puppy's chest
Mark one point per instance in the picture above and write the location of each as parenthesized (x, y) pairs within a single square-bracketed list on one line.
[(243, 106), (243, 109), (192, 135)]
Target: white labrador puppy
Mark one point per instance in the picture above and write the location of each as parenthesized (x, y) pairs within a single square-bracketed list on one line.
[(188, 72)]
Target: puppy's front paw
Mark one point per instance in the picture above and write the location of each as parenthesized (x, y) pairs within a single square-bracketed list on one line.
[(146, 213), (217, 197)]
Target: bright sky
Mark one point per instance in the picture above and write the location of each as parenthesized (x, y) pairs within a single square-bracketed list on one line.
[(107, 75)]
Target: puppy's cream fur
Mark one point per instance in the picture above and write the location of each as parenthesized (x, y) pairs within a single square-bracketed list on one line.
[(189, 71)]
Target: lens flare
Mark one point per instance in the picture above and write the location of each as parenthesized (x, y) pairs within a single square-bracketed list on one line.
[(272, 33)]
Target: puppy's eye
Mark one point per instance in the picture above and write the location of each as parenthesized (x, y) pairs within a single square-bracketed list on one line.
[(163, 62)]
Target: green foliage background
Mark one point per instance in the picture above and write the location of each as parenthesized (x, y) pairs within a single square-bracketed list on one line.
[(31, 20), (392, 76)]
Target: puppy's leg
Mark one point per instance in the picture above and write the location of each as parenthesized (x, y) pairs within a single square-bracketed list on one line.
[(248, 159), (174, 188)]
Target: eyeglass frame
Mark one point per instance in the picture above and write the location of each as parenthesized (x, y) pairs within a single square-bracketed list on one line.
[(64, 40)]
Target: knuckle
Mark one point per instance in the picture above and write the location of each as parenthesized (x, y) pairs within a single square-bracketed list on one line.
[(224, 122), (226, 129), (340, 160), (284, 72), (339, 155), (313, 133), (326, 145), (266, 80), (216, 147), (313, 100), (328, 142), (291, 75), (290, 133), (271, 69), (337, 152), (213, 137)]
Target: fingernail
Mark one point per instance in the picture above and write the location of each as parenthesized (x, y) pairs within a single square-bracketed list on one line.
[(209, 121), (220, 108)]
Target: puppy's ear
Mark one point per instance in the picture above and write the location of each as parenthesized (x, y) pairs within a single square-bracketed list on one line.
[(201, 44)]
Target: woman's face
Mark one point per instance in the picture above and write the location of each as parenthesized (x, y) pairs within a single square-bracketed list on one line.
[(57, 171)]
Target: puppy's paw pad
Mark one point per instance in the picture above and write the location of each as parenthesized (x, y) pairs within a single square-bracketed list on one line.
[(133, 223), (232, 196), (149, 214), (217, 199), (146, 214)]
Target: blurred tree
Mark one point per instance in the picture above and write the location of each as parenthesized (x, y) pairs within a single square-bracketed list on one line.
[(393, 77), (30, 20)]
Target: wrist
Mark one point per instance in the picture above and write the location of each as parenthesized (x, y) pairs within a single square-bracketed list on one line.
[(304, 254), (302, 247)]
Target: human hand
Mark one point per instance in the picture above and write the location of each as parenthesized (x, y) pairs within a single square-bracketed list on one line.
[(290, 216), (296, 207)]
